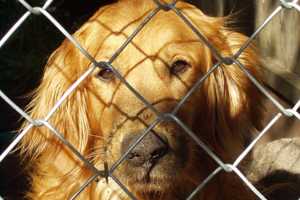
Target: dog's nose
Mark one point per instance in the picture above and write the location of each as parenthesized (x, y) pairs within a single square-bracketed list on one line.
[(147, 152)]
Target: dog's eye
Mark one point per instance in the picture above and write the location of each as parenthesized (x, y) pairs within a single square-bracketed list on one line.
[(179, 66), (105, 74)]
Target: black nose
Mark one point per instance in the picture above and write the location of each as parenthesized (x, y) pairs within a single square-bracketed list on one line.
[(147, 152)]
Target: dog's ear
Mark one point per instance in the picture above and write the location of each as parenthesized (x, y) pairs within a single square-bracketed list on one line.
[(65, 66), (71, 118), (233, 102), (236, 102)]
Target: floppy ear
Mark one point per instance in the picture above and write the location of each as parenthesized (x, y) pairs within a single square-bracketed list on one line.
[(71, 118), (235, 101)]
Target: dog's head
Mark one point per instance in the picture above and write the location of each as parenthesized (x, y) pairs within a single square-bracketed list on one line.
[(104, 117)]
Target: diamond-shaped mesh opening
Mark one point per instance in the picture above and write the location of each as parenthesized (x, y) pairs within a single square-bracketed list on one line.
[(103, 171)]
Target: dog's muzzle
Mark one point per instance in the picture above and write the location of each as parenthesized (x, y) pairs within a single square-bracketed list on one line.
[(146, 154)]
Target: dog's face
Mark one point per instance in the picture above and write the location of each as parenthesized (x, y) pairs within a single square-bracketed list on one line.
[(162, 63)]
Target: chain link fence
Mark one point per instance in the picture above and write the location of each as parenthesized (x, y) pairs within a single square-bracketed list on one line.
[(108, 171)]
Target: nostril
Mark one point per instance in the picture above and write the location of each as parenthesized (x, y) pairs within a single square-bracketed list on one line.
[(152, 148), (132, 155), (158, 153), (135, 158)]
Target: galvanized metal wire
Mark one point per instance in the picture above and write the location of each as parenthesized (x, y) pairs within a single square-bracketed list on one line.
[(108, 171)]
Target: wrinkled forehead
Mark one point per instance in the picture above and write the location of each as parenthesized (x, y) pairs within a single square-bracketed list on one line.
[(163, 31)]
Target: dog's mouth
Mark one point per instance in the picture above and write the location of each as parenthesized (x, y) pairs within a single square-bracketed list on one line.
[(156, 171), (157, 160), (152, 182)]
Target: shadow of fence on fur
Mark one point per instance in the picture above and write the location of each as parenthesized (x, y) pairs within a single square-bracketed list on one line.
[(108, 171)]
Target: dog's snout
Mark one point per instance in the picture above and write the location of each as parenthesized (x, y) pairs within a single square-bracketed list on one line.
[(147, 152)]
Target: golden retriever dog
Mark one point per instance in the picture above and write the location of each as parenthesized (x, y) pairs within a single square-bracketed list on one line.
[(102, 118)]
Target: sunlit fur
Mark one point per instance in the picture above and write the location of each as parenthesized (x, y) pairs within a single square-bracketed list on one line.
[(95, 118)]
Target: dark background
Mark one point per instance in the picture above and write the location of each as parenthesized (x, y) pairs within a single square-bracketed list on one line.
[(22, 59)]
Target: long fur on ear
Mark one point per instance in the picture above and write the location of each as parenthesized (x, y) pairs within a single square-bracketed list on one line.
[(53, 167), (40, 146), (71, 118), (232, 99), (235, 100)]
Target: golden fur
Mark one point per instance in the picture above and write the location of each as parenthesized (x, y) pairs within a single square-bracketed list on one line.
[(96, 117)]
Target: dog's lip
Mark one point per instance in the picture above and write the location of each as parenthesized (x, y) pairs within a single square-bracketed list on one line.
[(148, 179), (152, 177)]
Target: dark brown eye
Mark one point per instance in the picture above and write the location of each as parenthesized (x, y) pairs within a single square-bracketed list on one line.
[(179, 66), (105, 74)]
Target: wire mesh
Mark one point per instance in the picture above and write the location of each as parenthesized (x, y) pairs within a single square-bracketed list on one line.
[(108, 171)]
